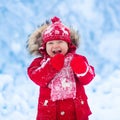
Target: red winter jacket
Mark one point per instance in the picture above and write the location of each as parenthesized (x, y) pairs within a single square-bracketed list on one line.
[(41, 72)]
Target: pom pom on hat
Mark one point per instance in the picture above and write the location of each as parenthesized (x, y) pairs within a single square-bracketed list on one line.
[(55, 19), (56, 31)]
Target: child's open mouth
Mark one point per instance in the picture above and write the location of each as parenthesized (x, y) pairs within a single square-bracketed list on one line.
[(56, 51)]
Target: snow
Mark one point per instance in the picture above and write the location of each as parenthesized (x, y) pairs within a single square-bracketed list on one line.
[(99, 27)]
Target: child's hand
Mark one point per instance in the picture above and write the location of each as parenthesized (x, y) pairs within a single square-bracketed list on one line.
[(78, 64), (57, 61)]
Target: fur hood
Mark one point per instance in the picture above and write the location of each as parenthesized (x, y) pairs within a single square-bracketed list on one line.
[(34, 42)]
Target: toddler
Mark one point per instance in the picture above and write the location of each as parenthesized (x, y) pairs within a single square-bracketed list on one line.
[(60, 72)]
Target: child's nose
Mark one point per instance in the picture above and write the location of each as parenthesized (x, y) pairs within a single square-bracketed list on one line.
[(55, 45)]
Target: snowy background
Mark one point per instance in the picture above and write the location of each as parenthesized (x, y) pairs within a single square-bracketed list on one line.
[(98, 22)]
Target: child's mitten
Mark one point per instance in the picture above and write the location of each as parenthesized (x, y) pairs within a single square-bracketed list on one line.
[(57, 61), (78, 64)]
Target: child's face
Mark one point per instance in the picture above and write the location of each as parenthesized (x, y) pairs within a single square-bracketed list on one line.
[(54, 47)]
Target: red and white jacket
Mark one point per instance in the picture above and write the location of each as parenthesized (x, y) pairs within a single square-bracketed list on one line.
[(42, 73)]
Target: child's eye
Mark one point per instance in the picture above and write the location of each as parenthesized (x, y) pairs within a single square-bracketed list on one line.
[(50, 43), (60, 41)]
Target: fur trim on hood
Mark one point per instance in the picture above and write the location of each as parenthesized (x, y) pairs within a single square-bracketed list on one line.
[(34, 42)]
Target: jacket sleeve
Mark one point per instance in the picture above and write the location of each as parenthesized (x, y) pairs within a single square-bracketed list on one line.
[(41, 74), (86, 77)]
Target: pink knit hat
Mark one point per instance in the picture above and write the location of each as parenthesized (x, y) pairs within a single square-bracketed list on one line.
[(56, 31)]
